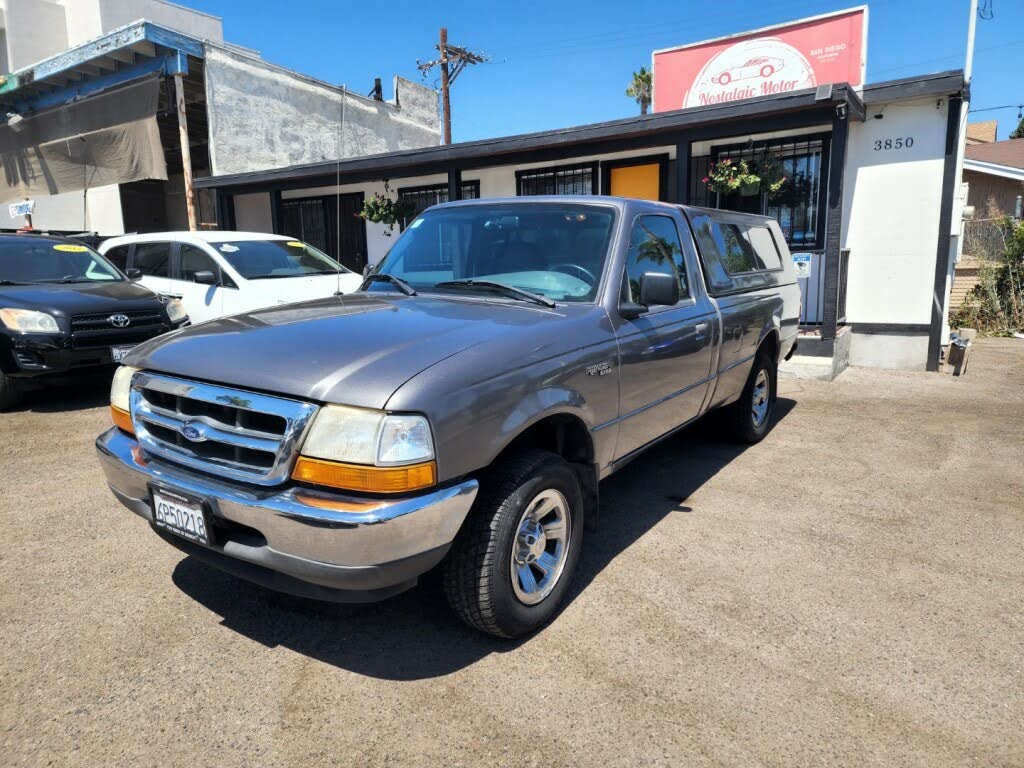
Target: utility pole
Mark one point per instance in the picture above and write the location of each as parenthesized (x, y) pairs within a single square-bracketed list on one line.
[(452, 61), (186, 152)]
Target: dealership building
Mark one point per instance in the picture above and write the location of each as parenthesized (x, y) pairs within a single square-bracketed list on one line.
[(870, 205)]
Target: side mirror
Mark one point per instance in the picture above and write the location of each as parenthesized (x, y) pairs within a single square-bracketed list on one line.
[(656, 289), (134, 273), (205, 277), (659, 289)]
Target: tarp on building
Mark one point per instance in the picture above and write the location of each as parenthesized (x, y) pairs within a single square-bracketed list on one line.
[(110, 138)]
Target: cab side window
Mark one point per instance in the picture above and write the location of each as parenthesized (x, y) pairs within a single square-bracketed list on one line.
[(765, 247), (192, 260), (118, 256), (654, 247), (152, 259)]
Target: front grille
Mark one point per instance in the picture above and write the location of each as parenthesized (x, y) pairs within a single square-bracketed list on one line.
[(96, 330), (227, 432)]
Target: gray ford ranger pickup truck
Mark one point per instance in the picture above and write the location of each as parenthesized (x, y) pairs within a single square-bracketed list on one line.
[(459, 410)]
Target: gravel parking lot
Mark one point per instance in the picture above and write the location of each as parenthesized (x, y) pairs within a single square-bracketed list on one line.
[(851, 591)]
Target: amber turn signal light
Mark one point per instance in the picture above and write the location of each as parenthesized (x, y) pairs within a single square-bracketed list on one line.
[(122, 419), (358, 477)]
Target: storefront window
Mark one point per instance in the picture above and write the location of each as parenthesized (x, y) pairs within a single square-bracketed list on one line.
[(562, 180), (797, 205), (421, 198)]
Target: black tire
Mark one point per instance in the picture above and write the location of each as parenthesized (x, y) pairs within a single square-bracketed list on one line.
[(477, 574), (10, 392), (746, 426)]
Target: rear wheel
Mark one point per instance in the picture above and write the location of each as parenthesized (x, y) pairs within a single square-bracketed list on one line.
[(10, 392), (752, 413), (511, 565)]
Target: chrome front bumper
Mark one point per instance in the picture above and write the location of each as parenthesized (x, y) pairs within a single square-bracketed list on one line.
[(299, 540)]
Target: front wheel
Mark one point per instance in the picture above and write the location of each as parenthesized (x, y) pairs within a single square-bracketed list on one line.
[(512, 563), (752, 413)]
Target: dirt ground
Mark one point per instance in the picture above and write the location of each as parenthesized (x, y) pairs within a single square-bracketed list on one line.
[(849, 592)]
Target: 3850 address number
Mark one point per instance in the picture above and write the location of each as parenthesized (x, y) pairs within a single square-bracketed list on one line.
[(900, 142)]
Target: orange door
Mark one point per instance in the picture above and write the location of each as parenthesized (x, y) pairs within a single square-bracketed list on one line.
[(642, 181)]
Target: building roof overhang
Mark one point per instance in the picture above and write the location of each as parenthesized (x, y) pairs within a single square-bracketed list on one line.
[(994, 169), (125, 54), (796, 109)]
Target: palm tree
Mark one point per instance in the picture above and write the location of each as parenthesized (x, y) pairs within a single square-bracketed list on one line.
[(641, 89)]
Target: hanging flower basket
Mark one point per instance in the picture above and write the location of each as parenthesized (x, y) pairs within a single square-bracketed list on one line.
[(383, 209), (773, 176), (729, 176)]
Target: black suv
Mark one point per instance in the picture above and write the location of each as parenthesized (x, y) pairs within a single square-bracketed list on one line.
[(64, 308)]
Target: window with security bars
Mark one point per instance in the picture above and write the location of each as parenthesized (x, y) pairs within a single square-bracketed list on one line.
[(562, 180), (419, 199), (798, 204)]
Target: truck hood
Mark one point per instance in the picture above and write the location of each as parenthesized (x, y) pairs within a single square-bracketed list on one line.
[(355, 350), (79, 298)]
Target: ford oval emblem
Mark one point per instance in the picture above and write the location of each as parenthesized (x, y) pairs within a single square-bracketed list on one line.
[(119, 320), (193, 431)]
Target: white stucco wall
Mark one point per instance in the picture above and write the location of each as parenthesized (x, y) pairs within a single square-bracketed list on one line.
[(117, 13), (98, 210), (892, 200), (35, 30), (252, 213)]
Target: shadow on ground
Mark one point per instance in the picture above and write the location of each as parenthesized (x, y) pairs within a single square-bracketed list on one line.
[(88, 390), (414, 636)]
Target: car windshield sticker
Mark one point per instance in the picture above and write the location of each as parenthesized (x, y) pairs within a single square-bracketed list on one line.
[(229, 248), (70, 248), (295, 244)]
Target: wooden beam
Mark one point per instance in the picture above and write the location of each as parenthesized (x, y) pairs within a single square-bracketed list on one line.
[(186, 153)]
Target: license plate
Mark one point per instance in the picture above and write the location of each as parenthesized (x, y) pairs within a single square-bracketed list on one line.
[(120, 353), (180, 514)]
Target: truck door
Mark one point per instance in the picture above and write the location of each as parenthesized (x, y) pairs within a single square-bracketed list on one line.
[(665, 354)]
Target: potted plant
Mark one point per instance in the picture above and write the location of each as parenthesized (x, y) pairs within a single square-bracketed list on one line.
[(729, 176), (773, 176), (383, 209)]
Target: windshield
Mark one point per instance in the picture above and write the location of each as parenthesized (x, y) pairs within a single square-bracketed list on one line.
[(27, 259), (556, 250), (266, 259)]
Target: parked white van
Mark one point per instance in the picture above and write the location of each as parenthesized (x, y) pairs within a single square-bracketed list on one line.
[(224, 273)]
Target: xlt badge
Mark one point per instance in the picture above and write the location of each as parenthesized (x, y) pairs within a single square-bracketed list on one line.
[(600, 369)]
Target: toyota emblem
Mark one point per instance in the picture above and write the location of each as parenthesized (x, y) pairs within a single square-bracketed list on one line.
[(194, 431), (119, 320)]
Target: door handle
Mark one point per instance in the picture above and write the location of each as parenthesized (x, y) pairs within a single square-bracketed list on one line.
[(701, 329)]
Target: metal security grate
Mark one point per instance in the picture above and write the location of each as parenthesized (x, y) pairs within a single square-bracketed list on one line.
[(228, 432), (420, 198), (565, 180)]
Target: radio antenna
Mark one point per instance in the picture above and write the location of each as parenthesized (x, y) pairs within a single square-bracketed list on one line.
[(337, 190)]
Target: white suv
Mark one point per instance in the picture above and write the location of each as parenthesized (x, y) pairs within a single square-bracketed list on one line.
[(225, 273)]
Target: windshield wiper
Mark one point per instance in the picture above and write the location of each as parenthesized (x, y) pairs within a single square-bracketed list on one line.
[(384, 277), (507, 290), (13, 282)]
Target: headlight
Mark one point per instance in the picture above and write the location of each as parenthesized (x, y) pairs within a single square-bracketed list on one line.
[(28, 321), (357, 436), (120, 387), (175, 311), (369, 451)]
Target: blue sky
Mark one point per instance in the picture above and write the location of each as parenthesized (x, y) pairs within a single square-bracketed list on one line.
[(567, 62)]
